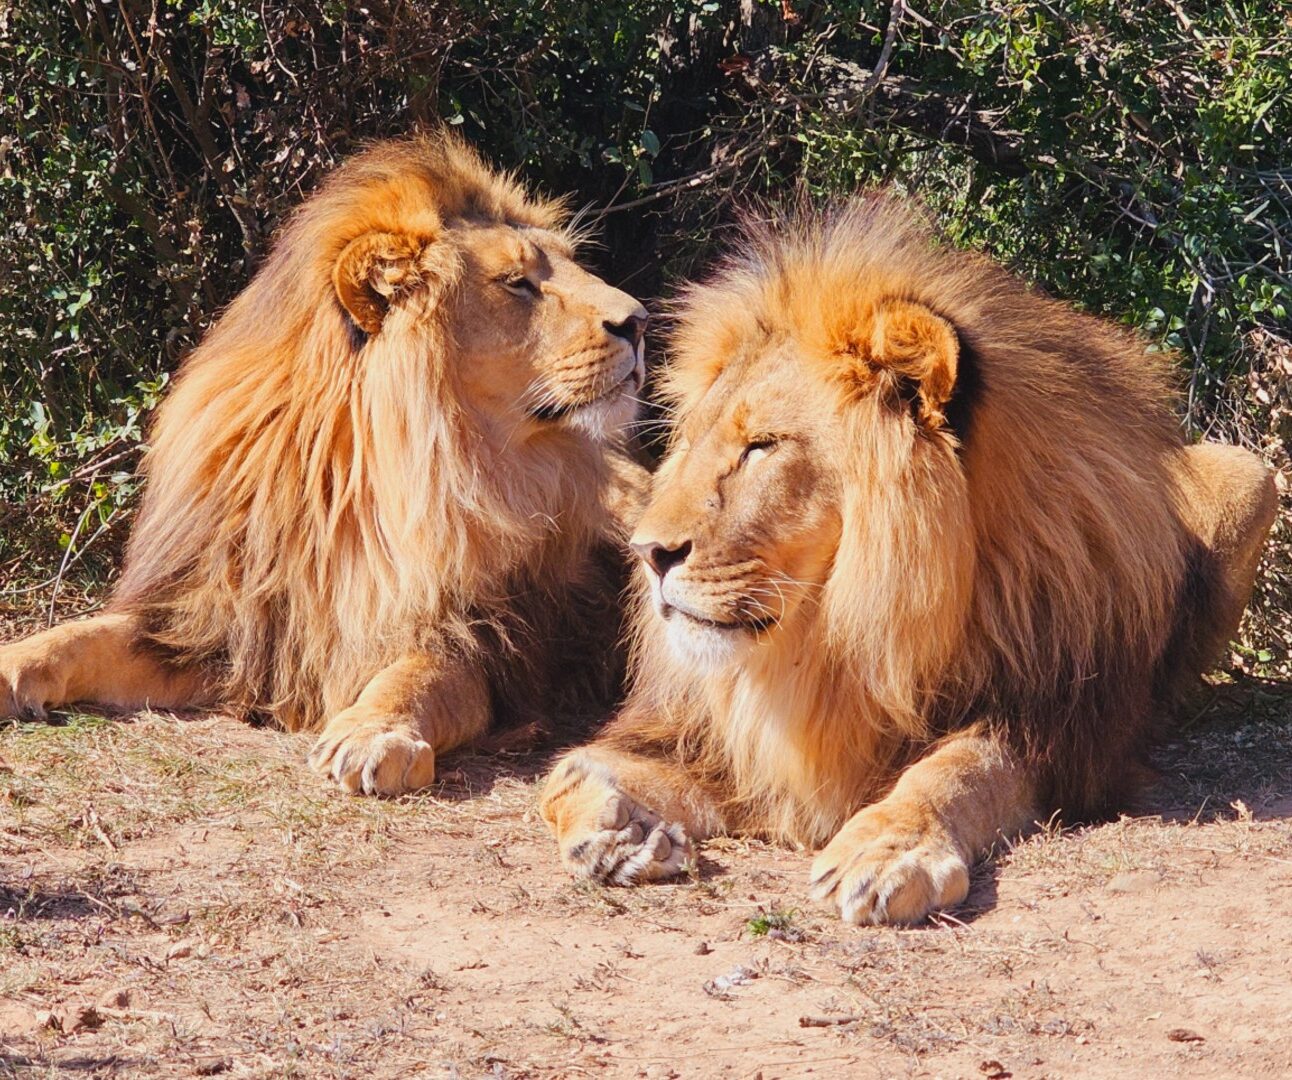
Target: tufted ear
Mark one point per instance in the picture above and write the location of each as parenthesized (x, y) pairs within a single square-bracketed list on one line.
[(370, 270), (912, 342)]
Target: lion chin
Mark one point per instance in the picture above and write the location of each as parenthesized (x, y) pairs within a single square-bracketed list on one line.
[(698, 643), (394, 461), (923, 562), (605, 419), (703, 646)]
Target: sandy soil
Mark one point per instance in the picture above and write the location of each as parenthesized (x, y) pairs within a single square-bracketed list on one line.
[(181, 897)]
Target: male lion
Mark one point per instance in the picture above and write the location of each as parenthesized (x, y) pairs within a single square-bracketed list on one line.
[(382, 483), (925, 558)]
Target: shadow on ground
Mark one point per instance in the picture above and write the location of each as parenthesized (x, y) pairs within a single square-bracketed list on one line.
[(97, 892), (1233, 745)]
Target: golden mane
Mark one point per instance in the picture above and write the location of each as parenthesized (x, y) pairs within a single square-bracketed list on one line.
[(926, 558), (319, 503), (1018, 565)]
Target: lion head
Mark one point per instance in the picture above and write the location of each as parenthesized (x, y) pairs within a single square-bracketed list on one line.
[(400, 423), (537, 343), (904, 493)]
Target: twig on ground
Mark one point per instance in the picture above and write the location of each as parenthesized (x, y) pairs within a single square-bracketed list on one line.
[(827, 1021)]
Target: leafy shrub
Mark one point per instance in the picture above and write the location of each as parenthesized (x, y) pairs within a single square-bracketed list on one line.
[(1131, 158)]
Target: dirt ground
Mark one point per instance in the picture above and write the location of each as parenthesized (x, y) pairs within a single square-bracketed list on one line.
[(182, 897)]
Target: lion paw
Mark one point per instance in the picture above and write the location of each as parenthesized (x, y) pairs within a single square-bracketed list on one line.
[(877, 874), (27, 687), (373, 756), (628, 844)]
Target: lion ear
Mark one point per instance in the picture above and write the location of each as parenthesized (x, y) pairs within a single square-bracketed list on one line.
[(920, 346), (370, 270)]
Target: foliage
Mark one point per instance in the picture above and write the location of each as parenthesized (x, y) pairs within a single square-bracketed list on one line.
[(147, 151), (1131, 158), (775, 922)]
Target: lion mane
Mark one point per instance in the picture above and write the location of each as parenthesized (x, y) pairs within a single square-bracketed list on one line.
[(320, 501), (1025, 563)]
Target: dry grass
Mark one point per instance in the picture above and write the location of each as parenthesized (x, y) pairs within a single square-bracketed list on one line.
[(231, 915)]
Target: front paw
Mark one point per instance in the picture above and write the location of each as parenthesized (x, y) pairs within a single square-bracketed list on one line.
[(883, 869), (626, 844), (373, 755), (28, 685)]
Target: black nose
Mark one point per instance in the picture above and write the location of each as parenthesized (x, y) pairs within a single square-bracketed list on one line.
[(632, 329), (660, 558)]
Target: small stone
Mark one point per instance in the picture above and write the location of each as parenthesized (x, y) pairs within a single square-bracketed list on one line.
[(178, 918), (703, 949), (1184, 1035), (69, 1018)]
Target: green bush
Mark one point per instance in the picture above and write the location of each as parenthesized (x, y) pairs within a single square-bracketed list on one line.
[(1131, 158)]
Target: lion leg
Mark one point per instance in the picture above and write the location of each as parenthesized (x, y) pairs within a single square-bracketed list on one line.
[(624, 818), (386, 742), (102, 661), (1229, 501), (909, 854)]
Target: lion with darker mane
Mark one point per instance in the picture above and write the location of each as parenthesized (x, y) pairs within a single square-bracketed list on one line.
[(925, 560), (381, 495)]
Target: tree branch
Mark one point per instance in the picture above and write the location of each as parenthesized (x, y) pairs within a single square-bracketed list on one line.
[(895, 15), (954, 123), (206, 143)]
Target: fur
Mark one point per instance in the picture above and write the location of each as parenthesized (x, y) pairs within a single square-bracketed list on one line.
[(1015, 554), (321, 501)]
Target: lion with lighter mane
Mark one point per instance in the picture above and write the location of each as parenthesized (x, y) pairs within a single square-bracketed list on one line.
[(381, 492), (926, 558)]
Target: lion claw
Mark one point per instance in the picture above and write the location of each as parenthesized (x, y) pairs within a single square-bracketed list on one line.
[(879, 877), (373, 758), (632, 845)]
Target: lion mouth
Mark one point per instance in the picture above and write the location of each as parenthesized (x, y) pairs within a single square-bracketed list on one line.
[(753, 624), (629, 384)]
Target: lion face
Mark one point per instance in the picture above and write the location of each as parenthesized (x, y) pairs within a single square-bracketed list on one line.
[(538, 344), (790, 444), (745, 512), (566, 346)]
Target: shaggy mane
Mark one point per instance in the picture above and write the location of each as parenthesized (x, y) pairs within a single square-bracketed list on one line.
[(1020, 569), (318, 501)]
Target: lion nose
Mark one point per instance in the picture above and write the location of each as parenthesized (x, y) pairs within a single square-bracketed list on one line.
[(632, 329), (661, 558)]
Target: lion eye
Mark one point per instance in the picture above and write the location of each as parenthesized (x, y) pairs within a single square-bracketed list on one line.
[(757, 449), (520, 285)]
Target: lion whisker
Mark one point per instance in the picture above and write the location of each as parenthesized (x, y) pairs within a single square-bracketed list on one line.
[(796, 582)]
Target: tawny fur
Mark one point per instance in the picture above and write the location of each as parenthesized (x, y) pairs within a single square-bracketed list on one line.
[(1026, 553), (324, 499)]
